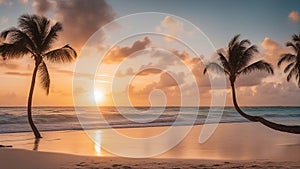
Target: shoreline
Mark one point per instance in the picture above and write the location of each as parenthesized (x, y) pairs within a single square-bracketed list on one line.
[(126, 127)]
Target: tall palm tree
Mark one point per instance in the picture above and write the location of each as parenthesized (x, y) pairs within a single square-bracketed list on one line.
[(293, 60), (237, 62), (34, 37)]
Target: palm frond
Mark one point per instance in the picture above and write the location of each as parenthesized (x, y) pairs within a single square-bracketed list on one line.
[(297, 77), (13, 51), (233, 41), (29, 25), (224, 62), (292, 73), (61, 55), (288, 67), (5, 33), (52, 35), (245, 42), (44, 77), (17, 36), (290, 44), (296, 38), (215, 68), (257, 66), (246, 57), (286, 58), (44, 25)]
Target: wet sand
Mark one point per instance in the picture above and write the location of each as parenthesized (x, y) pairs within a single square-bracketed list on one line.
[(233, 145)]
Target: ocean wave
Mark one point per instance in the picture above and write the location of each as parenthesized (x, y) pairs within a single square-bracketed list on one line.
[(14, 119)]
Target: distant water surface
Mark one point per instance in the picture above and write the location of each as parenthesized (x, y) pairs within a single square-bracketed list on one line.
[(14, 119)]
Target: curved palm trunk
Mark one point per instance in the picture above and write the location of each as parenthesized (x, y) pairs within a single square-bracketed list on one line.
[(272, 125), (29, 114)]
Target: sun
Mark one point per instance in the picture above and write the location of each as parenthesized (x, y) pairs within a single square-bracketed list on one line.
[(99, 96)]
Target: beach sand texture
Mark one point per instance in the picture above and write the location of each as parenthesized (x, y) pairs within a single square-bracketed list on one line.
[(233, 145)]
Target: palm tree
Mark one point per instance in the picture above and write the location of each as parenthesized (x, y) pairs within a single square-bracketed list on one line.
[(237, 62), (293, 60), (34, 37)]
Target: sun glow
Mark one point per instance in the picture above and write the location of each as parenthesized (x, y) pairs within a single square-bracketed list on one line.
[(99, 96)]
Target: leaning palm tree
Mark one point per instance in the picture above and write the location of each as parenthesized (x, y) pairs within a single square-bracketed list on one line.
[(34, 37), (238, 61), (293, 60)]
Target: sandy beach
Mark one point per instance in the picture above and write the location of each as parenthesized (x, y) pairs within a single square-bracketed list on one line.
[(233, 145), (42, 160)]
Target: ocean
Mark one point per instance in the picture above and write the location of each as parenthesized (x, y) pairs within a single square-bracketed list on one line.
[(14, 119)]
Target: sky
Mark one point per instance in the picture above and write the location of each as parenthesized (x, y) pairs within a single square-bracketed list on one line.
[(152, 68)]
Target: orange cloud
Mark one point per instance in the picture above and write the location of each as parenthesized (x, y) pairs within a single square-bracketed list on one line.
[(11, 66), (166, 83), (166, 80), (145, 72), (171, 27), (294, 17), (24, 1), (117, 54), (272, 50), (18, 73)]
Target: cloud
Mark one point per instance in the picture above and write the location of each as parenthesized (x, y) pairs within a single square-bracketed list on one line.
[(167, 80), (42, 6), (272, 50), (270, 94), (197, 70), (168, 59), (166, 84), (171, 27), (6, 3), (117, 54), (11, 66), (182, 55), (71, 73), (18, 74), (252, 79), (141, 72), (80, 20), (294, 17), (24, 1)]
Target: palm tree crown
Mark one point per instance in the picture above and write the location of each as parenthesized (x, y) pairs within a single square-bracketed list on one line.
[(292, 60), (35, 36), (238, 59)]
